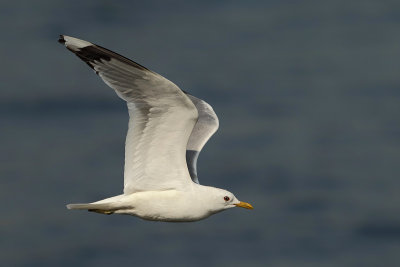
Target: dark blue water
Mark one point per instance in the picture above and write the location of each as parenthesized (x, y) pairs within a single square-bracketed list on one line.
[(307, 93)]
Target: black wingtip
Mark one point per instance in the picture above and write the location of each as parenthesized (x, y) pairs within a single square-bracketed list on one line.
[(61, 39)]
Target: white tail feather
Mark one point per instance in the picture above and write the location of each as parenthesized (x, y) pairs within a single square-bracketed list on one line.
[(89, 206)]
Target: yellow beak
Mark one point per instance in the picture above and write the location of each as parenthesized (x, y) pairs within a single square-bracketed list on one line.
[(244, 205)]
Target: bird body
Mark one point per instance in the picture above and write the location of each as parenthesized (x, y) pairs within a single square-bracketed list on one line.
[(170, 205), (167, 130)]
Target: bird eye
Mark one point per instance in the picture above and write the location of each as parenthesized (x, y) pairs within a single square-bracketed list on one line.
[(226, 198)]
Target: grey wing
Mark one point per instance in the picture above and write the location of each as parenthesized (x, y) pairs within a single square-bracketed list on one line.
[(206, 125), (161, 118)]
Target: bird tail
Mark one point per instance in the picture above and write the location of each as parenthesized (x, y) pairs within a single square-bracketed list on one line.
[(103, 208)]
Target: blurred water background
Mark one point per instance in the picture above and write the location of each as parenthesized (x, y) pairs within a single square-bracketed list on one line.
[(307, 93)]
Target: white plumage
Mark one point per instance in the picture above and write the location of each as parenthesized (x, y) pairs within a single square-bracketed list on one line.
[(165, 124)]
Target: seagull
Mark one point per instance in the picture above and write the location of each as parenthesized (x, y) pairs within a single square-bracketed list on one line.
[(168, 128)]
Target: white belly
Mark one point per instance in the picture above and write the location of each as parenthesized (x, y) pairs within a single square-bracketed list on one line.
[(170, 205)]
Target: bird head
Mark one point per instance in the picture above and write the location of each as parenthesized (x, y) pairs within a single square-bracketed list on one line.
[(223, 199)]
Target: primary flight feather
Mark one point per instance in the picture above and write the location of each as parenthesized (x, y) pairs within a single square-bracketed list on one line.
[(167, 130)]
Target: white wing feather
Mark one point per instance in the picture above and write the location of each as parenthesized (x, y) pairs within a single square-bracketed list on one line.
[(206, 125), (161, 119)]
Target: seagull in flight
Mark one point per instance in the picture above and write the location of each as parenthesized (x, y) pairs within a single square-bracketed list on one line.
[(168, 127)]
